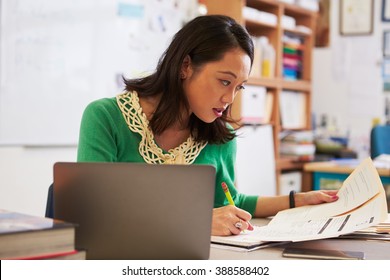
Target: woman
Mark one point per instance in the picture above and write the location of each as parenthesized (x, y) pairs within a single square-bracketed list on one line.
[(180, 114)]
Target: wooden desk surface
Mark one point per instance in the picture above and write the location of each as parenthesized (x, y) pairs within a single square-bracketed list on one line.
[(374, 250), (334, 167)]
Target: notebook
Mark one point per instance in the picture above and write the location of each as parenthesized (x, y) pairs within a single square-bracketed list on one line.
[(135, 210)]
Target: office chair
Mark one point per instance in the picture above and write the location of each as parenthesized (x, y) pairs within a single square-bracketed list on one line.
[(380, 140), (49, 203)]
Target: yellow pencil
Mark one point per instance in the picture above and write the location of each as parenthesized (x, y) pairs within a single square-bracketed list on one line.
[(227, 193)]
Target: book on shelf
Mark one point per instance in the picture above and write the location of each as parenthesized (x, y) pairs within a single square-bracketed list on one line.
[(297, 149), (25, 236), (302, 137), (292, 57), (361, 204)]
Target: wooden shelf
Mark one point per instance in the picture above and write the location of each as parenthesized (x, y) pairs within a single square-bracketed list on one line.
[(278, 84), (304, 86), (264, 5), (265, 82), (288, 163), (296, 11), (252, 25)]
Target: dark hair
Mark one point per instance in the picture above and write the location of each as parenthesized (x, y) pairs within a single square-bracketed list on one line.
[(204, 39)]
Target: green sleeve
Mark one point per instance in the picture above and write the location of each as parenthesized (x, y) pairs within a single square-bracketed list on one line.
[(97, 133)]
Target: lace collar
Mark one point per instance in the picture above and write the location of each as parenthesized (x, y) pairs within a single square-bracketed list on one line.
[(137, 122)]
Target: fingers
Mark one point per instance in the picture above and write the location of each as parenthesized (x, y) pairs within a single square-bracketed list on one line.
[(245, 217), (330, 195), (242, 214), (239, 226), (234, 229), (230, 220), (330, 192), (317, 197), (331, 198)]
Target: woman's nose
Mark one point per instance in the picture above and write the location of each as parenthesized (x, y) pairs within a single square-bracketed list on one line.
[(228, 98)]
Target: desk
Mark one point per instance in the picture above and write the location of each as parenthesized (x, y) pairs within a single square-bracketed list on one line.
[(374, 250)]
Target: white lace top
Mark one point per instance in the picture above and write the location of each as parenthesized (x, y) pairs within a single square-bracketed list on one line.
[(137, 122)]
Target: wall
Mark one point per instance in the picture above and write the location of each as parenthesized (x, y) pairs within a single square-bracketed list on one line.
[(25, 176), (347, 83), (68, 53), (46, 43)]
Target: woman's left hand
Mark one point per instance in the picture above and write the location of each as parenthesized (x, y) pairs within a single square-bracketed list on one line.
[(315, 197)]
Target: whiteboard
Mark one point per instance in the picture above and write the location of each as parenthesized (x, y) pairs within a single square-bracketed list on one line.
[(57, 56)]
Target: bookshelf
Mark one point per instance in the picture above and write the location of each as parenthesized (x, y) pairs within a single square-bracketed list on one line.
[(303, 30)]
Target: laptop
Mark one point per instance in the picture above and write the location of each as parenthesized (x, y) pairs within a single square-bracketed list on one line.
[(135, 210)]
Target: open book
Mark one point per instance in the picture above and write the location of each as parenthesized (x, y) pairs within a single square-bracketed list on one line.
[(361, 204)]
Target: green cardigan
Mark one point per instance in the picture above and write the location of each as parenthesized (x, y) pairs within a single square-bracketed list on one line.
[(105, 137)]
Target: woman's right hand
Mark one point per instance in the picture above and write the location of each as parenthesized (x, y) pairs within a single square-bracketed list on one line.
[(228, 220)]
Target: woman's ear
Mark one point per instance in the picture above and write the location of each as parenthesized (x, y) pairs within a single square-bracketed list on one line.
[(186, 69)]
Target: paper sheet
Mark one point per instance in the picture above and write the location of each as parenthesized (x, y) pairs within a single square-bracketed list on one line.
[(361, 204)]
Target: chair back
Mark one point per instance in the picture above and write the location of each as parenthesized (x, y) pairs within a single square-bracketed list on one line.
[(380, 140), (49, 213)]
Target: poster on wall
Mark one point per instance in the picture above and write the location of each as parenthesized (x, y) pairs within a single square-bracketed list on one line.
[(385, 10), (386, 74), (356, 17)]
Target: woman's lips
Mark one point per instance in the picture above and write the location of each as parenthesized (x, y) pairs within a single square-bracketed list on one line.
[(218, 111)]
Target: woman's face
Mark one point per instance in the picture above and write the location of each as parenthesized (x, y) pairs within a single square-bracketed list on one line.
[(213, 87)]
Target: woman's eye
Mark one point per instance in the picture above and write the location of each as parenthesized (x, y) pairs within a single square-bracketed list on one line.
[(240, 87), (225, 83)]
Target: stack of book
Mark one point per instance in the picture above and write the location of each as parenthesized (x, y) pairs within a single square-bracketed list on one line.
[(292, 57), (30, 237), (299, 144)]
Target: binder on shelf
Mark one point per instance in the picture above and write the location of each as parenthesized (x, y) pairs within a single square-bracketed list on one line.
[(264, 58), (257, 58), (256, 105), (293, 109)]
